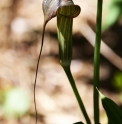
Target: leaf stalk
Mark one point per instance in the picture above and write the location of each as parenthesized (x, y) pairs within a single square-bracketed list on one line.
[(97, 61)]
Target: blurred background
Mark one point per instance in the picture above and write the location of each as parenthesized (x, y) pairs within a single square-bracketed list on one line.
[(20, 40)]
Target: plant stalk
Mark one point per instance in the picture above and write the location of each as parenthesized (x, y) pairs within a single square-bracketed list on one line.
[(43, 31), (97, 61), (72, 83)]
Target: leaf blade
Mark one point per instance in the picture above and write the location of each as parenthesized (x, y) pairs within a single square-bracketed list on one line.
[(114, 113), (79, 122)]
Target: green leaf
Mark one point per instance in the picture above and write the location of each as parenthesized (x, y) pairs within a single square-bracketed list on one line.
[(114, 9), (16, 103), (79, 122), (113, 111), (117, 81)]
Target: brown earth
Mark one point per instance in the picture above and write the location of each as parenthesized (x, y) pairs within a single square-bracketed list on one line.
[(20, 38)]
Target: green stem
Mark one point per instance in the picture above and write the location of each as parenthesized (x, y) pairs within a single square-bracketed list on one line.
[(97, 61), (72, 82)]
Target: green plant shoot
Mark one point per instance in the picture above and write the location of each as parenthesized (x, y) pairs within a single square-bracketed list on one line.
[(65, 12), (64, 27)]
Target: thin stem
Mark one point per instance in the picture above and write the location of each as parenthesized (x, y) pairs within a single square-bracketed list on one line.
[(37, 71), (97, 61), (72, 83)]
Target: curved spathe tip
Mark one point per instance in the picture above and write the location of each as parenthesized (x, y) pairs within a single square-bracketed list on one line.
[(69, 11), (53, 7)]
